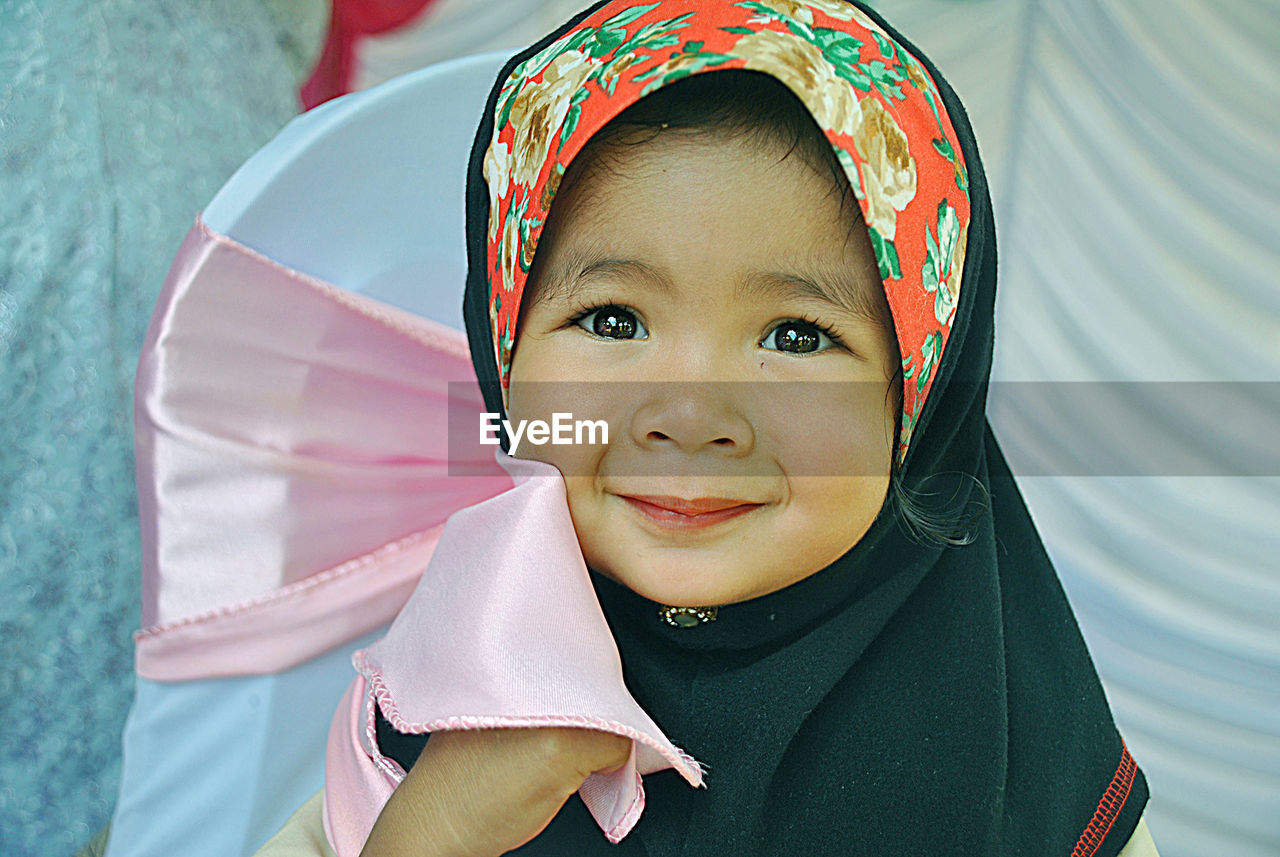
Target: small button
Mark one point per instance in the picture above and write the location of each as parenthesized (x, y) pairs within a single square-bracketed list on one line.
[(686, 620)]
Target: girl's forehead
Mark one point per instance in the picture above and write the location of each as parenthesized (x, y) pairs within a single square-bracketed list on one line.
[(669, 166), (693, 207)]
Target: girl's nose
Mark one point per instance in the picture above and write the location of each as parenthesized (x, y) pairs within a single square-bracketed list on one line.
[(692, 417)]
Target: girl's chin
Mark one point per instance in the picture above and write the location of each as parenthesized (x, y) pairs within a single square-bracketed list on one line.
[(686, 585)]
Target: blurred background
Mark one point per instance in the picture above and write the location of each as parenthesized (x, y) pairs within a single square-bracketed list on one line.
[(1133, 151)]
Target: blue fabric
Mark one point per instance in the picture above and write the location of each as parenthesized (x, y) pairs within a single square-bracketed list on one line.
[(242, 753), (119, 119)]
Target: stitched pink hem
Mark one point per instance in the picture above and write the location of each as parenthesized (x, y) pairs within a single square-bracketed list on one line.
[(391, 768), (388, 766), (292, 590), (291, 625), (688, 767), (421, 330), (629, 818)]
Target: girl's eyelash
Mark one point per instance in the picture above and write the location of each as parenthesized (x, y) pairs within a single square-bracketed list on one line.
[(583, 309), (831, 332)]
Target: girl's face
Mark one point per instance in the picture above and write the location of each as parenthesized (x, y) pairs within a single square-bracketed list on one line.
[(685, 266)]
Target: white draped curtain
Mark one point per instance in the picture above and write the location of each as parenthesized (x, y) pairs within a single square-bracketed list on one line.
[(1134, 156)]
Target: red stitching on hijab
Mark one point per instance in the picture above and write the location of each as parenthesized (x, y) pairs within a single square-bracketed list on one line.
[(1113, 800)]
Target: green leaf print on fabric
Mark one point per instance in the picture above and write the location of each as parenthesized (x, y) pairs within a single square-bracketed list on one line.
[(510, 245), (567, 67), (626, 16), (570, 124), (840, 48), (679, 64), (929, 353), (501, 246), (904, 436), (851, 170), (854, 74), (535, 64), (527, 245), (887, 48), (766, 13), (888, 81), (504, 109), (608, 40), (844, 52), (605, 42), (886, 255), (927, 357), (941, 143), (505, 344), (657, 35), (940, 256)]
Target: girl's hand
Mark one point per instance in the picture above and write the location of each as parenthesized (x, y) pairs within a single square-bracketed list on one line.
[(482, 793)]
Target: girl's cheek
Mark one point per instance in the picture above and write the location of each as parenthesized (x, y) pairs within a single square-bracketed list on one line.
[(825, 428)]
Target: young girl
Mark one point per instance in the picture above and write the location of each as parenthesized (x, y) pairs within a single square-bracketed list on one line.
[(754, 237)]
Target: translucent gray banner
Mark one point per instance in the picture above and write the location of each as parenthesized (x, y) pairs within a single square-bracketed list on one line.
[(755, 429)]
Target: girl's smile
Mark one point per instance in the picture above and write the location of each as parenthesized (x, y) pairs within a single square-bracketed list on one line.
[(674, 513), (666, 278)]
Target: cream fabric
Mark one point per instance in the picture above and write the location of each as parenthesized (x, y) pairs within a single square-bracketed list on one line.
[(303, 834), (1140, 844)]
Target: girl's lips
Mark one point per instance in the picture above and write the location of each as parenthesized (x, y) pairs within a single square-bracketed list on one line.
[(676, 513)]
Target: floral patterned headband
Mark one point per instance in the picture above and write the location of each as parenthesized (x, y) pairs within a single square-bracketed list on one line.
[(874, 101)]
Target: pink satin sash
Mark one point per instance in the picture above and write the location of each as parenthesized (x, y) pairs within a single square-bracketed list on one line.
[(292, 459)]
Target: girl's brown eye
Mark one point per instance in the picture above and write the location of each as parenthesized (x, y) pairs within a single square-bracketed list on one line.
[(797, 337), (613, 322)]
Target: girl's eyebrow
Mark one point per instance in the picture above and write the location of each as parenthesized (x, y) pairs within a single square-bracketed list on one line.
[(573, 275), (842, 290)]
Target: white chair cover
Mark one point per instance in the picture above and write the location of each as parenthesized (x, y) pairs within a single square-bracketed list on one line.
[(365, 193)]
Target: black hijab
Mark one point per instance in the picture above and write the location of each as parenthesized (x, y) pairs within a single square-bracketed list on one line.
[(911, 698)]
